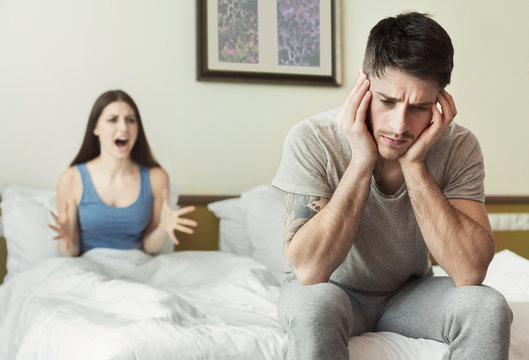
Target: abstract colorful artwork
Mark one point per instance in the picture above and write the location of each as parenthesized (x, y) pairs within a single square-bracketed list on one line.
[(238, 31), (298, 32)]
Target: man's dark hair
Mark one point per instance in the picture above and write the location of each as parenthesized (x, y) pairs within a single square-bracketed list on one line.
[(413, 43)]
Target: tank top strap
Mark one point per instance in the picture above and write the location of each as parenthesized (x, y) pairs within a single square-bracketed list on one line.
[(89, 191), (146, 191)]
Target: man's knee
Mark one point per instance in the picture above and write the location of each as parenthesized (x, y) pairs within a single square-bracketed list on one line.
[(317, 319), (314, 306), (482, 306)]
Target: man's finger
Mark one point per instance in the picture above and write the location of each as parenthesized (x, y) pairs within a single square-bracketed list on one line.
[(447, 114), (451, 101), (436, 116), (361, 113)]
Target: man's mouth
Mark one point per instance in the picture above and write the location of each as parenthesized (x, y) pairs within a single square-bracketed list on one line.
[(394, 142)]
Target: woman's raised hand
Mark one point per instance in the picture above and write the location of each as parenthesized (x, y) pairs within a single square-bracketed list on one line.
[(171, 220), (63, 227)]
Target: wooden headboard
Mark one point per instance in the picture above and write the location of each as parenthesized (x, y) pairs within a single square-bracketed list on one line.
[(206, 234), (517, 241)]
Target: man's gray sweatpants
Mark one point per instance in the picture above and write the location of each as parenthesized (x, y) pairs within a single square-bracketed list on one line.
[(474, 321)]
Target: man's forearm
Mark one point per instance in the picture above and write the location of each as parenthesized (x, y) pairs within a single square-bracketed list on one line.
[(458, 243), (322, 243)]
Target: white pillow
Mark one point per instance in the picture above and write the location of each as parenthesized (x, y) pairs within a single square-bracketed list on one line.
[(233, 236), (252, 225), (264, 208), (25, 217)]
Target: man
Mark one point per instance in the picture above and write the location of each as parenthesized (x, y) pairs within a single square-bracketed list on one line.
[(375, 187)]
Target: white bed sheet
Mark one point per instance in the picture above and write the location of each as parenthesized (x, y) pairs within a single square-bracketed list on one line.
[(112, 304)]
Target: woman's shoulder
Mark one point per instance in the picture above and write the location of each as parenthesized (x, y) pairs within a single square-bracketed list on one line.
[(70, 182), (70, 176), (159, 177), (157, 171)]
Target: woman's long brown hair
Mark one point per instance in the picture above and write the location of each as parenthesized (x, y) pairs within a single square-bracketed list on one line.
[(90, 147)]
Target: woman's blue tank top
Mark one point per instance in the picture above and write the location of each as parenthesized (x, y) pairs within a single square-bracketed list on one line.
[(102, 225)]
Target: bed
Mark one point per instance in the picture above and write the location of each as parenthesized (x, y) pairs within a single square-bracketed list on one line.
[(213, 298)]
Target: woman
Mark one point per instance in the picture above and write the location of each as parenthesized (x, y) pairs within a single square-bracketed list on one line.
[(115, 194)]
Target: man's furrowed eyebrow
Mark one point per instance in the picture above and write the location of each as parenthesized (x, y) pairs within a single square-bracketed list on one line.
[(386, 97), (423, 104), (393, 99)]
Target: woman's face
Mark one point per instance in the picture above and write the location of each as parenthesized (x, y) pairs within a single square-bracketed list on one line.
[(117, 129)]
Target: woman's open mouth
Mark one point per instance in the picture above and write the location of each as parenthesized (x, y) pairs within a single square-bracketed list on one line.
[(121, 143)]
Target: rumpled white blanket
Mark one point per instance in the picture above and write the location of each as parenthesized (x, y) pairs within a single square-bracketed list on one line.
[(112, 304)]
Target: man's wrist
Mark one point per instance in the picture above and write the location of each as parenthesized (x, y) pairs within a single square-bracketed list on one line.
[(412, 170), (363, 166)]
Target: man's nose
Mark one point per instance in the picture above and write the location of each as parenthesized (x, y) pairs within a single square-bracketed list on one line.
[(398, 122)]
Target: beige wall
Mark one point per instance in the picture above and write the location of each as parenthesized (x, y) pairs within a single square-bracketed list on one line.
[(57, 56)]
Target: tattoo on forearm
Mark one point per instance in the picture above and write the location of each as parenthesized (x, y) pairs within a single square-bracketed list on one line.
[(299, 209)]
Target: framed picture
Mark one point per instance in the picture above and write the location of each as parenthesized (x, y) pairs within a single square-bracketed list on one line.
[(287, 41)]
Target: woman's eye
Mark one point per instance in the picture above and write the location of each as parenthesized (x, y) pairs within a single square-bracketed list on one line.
[(112, 120), (131, 120), (387, 102), (420, 108)]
